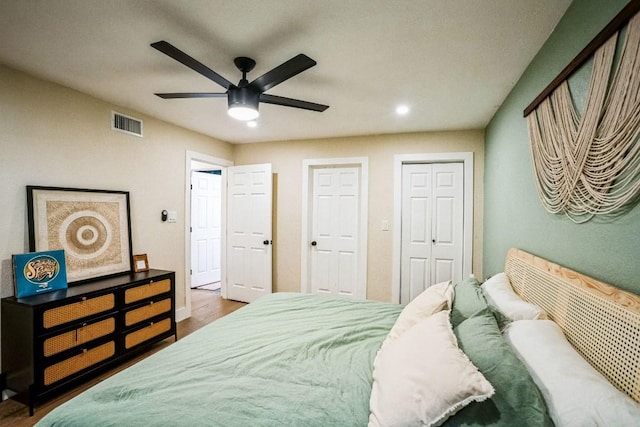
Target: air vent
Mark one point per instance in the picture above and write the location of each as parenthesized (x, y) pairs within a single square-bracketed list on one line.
[(126, 124)]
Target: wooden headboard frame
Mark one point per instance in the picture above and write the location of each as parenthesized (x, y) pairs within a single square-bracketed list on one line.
[(602, 322)]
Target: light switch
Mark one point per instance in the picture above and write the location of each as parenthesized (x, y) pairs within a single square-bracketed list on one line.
[(385, 225), (172, 216)]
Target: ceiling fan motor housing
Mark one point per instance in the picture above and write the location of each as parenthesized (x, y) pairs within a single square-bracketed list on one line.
[(243, 97)]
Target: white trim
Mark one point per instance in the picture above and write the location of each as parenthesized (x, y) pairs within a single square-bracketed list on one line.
[(191, 156), (307, 172), (467, 159), (181, 313)]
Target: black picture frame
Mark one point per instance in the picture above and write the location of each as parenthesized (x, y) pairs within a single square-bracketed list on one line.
[(92, 226)]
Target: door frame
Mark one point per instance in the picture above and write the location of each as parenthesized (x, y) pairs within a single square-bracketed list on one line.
[(466, 158), (215, 163), (308, 165)]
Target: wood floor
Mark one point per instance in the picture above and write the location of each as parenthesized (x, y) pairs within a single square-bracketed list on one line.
[(206, 306)]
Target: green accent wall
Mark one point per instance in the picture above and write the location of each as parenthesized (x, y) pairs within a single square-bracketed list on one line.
[(608, 250)]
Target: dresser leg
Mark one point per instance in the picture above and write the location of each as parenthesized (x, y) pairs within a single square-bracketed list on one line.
[(31, 403)]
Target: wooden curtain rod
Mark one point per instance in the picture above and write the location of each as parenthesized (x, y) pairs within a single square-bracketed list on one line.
[(615, 25)]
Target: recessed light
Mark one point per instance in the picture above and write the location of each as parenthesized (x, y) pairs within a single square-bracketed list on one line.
[(402, 110), (252, 123)]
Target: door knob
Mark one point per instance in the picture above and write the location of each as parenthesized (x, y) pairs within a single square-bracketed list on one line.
[(433, 240), (266, 242), (314, 243)]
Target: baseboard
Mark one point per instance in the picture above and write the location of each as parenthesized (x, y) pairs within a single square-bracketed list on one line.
[(181, 314)]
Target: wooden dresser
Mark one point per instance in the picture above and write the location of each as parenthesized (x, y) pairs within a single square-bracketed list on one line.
[(55, 340)]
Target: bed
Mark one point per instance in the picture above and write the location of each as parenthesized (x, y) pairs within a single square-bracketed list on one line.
[(454, 356)]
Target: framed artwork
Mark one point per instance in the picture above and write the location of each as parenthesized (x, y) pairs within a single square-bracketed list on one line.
[(38, 272), (140, 263), (93, 228)]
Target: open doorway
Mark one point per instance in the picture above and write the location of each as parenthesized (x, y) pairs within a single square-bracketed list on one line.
[(206, 229), (198, 162)]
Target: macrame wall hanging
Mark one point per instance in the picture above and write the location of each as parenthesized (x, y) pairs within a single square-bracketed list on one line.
[(588, 163)]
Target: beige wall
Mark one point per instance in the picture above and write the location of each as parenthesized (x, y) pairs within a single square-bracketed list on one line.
[(54, 136), (286, 158)]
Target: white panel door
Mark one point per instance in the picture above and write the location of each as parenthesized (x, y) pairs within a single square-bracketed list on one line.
[(432, 226), (448, 220), (206, 215), (416, 242), (249, 249), (334, 231)]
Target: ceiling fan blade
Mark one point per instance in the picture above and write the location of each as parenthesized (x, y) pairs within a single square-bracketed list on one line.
[(290, 102), (282, 72), (190, 95), (175, 53)]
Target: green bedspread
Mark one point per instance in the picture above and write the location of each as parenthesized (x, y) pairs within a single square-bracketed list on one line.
[(286, 359)]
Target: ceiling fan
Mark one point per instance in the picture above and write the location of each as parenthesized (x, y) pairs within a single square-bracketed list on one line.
[(243, 98)]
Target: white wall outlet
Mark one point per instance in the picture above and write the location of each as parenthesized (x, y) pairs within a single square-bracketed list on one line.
[(172, 216), (385, 225)]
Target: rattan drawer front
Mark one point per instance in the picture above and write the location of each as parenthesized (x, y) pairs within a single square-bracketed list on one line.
[(77, 310), (83, 334), (77, 363), (147, 312), (144, 334), (146, 291)]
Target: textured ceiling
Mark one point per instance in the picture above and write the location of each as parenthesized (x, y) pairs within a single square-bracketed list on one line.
[(452, 61)]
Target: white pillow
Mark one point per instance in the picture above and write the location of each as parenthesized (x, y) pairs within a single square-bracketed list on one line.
[(576, 394), (422, 377), (501, 297), (432, 300)]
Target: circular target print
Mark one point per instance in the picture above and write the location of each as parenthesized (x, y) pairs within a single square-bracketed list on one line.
[(85, 234)]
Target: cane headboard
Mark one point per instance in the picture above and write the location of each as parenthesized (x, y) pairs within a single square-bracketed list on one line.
[(599, 320)]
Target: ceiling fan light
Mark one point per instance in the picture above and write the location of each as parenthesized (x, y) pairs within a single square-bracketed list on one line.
[(242, 112), (243, 103)]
